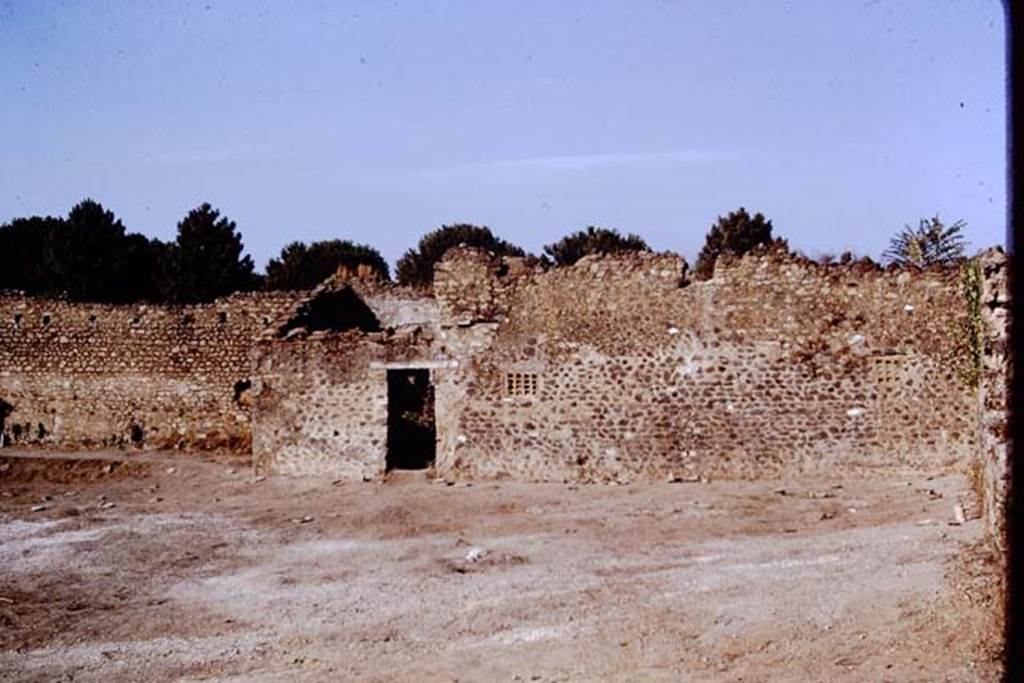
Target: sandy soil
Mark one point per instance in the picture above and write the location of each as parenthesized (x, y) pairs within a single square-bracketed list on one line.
[(182, 569)]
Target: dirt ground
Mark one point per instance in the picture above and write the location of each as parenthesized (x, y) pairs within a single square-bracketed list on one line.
[(184, 569)]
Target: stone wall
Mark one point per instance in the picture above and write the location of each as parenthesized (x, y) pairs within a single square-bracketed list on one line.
[(993, 467), (320, 390), (775, 364), (616, 368), (89, 376)]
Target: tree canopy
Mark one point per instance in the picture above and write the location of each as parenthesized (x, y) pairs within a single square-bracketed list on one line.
[(205, 261), (593, 240), (416, 267), (931, 242), (302, 266), (735, 235), (24, 243), (87, 256)]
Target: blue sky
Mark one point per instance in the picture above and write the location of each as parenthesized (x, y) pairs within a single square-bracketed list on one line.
[(379, 121)]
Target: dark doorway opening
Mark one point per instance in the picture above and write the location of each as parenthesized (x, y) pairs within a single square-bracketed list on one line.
[(411, 433)]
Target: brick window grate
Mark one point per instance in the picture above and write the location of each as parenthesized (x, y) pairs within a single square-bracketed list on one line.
[(521, 383)]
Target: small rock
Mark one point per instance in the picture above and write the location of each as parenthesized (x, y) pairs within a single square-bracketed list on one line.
[(475, 555), (109, 467), (958, 514), (303, 520), (39, 508), (107, 505), (171, 470), (826, 515)]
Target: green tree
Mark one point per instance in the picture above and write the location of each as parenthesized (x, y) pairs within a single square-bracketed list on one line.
[(23, 244), (205, 261), (735, 235), (303, 267), (87, 256), (416, 267), (91, 258), (931, 242), (572, 248)]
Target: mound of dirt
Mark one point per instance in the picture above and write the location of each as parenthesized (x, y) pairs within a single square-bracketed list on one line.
[(68, 471)]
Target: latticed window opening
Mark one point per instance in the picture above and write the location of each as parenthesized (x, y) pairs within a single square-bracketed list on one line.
[(521, 383)]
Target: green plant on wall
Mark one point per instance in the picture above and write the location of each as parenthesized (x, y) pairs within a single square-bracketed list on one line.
[(971, 342)]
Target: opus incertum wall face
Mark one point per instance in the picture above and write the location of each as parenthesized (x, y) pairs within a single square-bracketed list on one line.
[(321, 399), (319, 407), (320, 382), (88, 376), (616, 368)]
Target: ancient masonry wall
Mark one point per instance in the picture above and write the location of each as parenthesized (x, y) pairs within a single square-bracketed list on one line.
[(320, 396), (993, 466), (617, 368), (89, 376)]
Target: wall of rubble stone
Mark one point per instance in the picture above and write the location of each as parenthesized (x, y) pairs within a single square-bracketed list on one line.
[(89, 376), (319, 407), (775, 364), (619, 367), (320, 395), (993, 468)]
